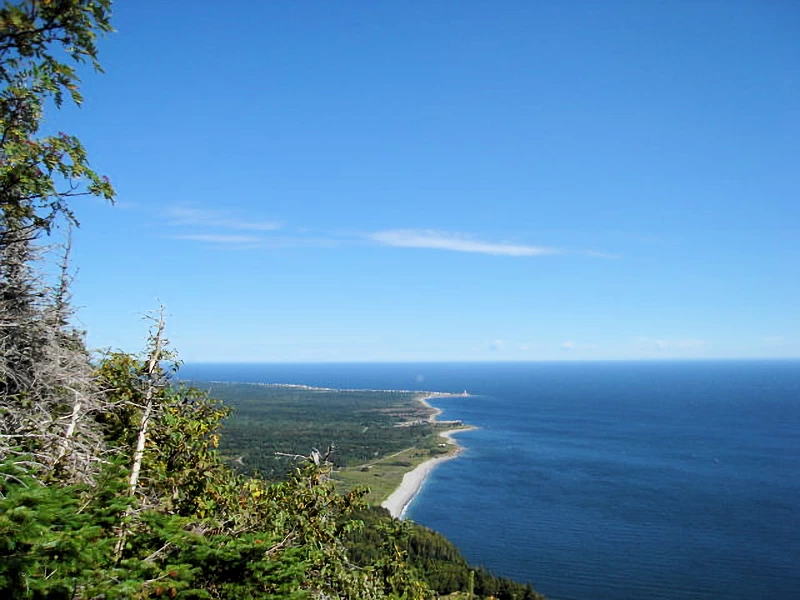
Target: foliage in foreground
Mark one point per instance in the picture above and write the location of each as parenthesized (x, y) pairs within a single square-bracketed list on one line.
[(167, 516), (45, 375), (191, 527)]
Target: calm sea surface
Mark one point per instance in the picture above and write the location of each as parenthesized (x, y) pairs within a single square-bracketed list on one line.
[(608, 480)]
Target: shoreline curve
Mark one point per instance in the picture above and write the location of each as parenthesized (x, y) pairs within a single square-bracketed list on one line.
[(399, 500)]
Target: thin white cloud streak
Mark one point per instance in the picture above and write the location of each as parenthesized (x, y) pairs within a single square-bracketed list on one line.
[(214, 238), (456, 242), (253, 242), (211, 222), (182, 215)]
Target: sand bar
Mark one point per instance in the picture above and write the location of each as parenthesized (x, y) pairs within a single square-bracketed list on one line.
[(398, 501)]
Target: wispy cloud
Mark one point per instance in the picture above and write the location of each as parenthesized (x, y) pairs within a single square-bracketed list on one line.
[(254, 242), (457, 242), (215, 238), (220, 227), (195, 224), (217, 219)]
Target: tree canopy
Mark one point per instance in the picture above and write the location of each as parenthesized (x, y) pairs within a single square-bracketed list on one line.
[(41, 43)]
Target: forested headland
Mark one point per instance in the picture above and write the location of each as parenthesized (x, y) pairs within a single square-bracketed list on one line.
[(113, 483), (372, 437)]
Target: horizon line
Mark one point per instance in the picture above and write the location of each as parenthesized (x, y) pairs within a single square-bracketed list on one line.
[(474, 361)]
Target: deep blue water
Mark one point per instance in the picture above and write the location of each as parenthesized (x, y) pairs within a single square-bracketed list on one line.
[(608, 480)]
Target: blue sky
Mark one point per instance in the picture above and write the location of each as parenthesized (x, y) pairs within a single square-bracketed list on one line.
[(358, 181)]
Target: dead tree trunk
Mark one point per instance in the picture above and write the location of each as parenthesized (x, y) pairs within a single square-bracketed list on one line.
[(152, 381)]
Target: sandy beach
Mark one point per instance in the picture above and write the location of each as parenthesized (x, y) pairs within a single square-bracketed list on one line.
[(412, 482), (436, 411)]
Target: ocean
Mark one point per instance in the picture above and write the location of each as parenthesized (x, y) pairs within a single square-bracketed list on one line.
[(607, 480)]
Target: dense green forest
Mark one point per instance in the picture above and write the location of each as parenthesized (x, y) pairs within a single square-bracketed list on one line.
[(112, 481), (438, 562), (361, 425)]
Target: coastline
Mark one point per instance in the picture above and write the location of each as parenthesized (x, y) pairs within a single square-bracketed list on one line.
[(399, 500), (436, 411)]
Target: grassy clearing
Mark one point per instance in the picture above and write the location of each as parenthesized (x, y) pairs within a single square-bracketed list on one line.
[(382, 476)]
